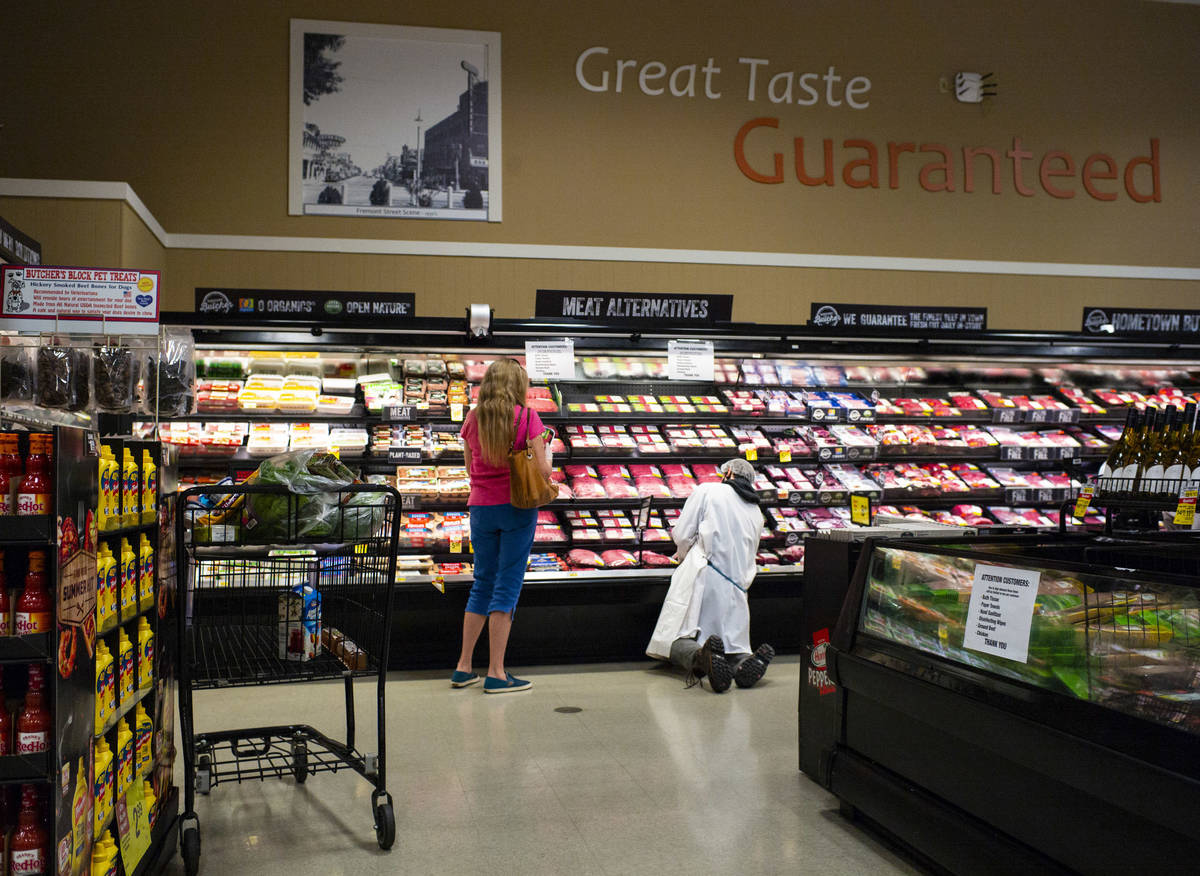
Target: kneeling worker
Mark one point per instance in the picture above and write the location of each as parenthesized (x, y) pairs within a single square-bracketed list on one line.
[(717, 537)]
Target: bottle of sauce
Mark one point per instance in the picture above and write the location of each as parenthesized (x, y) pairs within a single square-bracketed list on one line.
[(10, 463), (128, 565), (34, 722), (105, 703), (6, 484), (104, 856), (124, 757), (149, 488), (34, 494), (145, 573), (35, 611), (109, 595), (5, 603), (143, 736), (126, 667), (131, 490), (102, 784), (6, 724), (81, 819), (151, 799), (108, 513), (145, 654), (29, 852)]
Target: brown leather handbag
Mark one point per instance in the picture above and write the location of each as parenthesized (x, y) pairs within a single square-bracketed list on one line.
[(527, 488)]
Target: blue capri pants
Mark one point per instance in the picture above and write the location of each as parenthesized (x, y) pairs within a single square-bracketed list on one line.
[(501, 537)]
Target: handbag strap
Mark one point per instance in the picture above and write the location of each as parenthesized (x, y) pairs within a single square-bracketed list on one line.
[(516, 432)]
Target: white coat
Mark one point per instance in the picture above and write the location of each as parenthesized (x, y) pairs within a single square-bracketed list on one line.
[(724, 529)]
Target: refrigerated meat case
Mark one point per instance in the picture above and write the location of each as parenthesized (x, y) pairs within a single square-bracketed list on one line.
[(576, 614), (1082, 757)]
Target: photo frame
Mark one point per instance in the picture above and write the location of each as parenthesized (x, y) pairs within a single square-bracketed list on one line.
[(395, 122)]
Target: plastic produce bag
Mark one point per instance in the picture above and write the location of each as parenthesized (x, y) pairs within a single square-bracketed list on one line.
[(315, 480)]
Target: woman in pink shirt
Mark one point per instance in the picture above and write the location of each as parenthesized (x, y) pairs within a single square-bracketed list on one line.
[(501, 535)]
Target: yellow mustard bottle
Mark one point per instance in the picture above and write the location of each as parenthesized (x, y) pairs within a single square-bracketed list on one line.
[(145, 654), (151, 799), (131, 489), (149, 488), (145, 573), (124, 757), (102, 784), (126, 667), (105, 706), (104, 856), (81, 831), (108, 512), (143, 738), (129, 580), (106, 581)]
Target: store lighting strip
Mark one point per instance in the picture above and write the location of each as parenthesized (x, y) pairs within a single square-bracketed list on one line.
[(119, 191)]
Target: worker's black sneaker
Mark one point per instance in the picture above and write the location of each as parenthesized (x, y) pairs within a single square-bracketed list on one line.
[(710, 661), (753, 668)]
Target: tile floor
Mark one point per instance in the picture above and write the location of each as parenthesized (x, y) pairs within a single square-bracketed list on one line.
[(649, 778)]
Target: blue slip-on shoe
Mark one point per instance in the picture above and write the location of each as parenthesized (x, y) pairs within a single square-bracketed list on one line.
[(502, 686), (463, 679)]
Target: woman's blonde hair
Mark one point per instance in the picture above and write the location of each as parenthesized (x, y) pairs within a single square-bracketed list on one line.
[(502, 390)]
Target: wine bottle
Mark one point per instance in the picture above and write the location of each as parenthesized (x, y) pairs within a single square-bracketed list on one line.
[(1163, 454), (1120, 447), (1146, 446), (1190, 448)]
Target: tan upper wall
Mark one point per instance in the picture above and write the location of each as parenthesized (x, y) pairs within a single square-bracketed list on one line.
[(198, 126)]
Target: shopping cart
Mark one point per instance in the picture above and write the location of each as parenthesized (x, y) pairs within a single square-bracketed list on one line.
[(277, 587)]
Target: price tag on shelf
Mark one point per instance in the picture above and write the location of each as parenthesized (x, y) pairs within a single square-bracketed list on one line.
[(133, 826), (690, 360), (1085, 499), (1185, 511), (456, 412), (752, 453), (439, 582), (860, 509), (785, 454), (456, 544), (550, 360)]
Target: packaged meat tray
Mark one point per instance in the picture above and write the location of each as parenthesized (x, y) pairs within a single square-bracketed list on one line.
[(618, 559), (545, 563), (584, 559), (976, 479), (653, 559), (1021, 517)]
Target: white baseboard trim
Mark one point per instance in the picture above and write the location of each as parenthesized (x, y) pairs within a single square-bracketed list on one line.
[(119, 191)]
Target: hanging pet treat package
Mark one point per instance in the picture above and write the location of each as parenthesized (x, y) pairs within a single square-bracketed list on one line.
[(16, 371), (170, 373), (114, 367), (62, 375)]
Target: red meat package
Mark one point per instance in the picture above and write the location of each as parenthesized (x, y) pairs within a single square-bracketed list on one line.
[(653, 487), (618, 559), (588, 488), (545, 516), (565, 492), (553, 533), (584, 559), (580, 471), (653, 558), (618, 488), (681, 488), (793, 553), (612, 471)]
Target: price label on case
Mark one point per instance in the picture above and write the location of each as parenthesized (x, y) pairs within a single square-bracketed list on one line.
[(860, 509), (752, 453), (1085, 499), (456, 544), (1185, 511), (785, 454), (439, 582), (456, 412)]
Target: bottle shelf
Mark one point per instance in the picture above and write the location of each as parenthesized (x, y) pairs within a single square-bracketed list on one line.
[(124, 709), (35, 648), (112, 625), (16, 768), (32, 530)]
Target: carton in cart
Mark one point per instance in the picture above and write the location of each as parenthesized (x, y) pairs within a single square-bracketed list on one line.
[(299, 623)]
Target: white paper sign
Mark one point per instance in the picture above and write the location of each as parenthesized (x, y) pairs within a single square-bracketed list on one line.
[(33, 296), (1001, 611), (550, 360), (690, 360)]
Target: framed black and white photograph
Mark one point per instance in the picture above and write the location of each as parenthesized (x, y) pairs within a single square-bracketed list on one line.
[(392, 121)]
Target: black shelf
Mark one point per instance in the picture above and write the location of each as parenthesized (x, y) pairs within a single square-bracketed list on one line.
[(16, 768), (124, 709), (32, 530), (35, 648), (125, 531)]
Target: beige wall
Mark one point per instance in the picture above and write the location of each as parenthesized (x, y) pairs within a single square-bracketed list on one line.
[(71, 232), (198, 127)]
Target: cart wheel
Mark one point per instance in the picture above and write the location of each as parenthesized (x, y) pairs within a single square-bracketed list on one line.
[(300, 763), (203, 774), (385, 825), (190, 849)]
